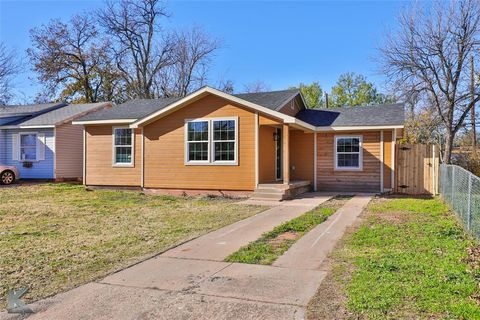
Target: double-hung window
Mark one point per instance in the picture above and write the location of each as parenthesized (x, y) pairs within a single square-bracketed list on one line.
[(28, 147), (123, 147), (212, 141), (198, 140), (348, 153)]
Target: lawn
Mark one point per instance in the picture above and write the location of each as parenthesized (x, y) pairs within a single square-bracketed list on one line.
[(409, 259), (56, 236), (273, 244)]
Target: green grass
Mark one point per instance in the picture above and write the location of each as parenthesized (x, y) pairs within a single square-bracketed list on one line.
[(409, 260), (56, 236), (269, 247)]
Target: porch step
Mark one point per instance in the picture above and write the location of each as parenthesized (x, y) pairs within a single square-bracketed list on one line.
[(267, 196), (280, 191)]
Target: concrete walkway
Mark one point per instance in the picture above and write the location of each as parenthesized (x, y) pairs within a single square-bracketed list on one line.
[(217, 245), (192, 281), (310, 251)]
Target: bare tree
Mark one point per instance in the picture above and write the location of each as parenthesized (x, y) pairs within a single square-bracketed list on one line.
[(428, 55), (191, 54), (8, 68), (257, 86), (142, 51), (226, 86), (72, 58)]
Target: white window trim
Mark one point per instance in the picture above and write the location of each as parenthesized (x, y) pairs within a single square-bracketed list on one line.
[(211, 150), (20, 134), (114, 149), (360, 160), (187, 143)]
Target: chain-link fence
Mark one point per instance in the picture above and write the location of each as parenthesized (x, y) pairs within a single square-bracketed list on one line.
[(461, 189)]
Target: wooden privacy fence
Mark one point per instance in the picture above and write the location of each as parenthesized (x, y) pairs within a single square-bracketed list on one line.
[(416, 171)]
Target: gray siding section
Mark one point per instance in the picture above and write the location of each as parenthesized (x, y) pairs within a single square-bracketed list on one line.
[(41, 169), (3, 147)]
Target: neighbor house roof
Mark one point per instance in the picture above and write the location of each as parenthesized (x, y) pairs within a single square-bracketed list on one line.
[(61, 115), (30, 109), (378, 115)]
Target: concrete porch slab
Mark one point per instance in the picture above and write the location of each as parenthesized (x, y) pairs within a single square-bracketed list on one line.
[(264, 283)]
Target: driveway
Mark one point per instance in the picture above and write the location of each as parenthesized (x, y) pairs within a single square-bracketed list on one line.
[(192, 281)]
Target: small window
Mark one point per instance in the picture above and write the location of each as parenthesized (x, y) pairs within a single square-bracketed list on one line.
[(224, 140), (198, 140), (123, 146), (28, 147), (348, 153), (212, 141)]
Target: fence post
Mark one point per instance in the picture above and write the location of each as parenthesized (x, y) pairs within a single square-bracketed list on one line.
[(469, 204), (444, 179), (453, 186)]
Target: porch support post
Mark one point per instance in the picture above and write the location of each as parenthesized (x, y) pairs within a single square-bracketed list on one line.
[(394, 139), (286, 154), (382, 160), (256, 149)]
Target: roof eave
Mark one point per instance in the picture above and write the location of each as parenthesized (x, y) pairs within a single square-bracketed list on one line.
[(357, 128), (100, 122)]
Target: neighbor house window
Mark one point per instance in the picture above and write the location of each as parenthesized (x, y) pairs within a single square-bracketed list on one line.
[(211, 141), (348, 153), (122, 146), (28, 147)]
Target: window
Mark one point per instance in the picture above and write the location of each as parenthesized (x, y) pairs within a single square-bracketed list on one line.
[(212, 141), (198, 140), (224, 140), (348, 153), (28, 147), (122, 146)]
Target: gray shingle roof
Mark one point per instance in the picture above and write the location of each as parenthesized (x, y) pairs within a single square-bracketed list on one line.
[(273, 99), (139, 108), (380, 115), (133, 109), (63, 114), (14, 110)]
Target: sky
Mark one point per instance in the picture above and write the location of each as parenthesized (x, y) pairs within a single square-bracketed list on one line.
[(280, 43)]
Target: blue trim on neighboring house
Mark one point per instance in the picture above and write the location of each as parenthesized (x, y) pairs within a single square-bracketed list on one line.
[(43, 169)]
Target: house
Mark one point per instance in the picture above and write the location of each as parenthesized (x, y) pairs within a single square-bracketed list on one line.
[(267, 143), (40, 140)]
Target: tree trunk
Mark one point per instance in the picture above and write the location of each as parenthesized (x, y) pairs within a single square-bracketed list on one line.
[(448, 147)]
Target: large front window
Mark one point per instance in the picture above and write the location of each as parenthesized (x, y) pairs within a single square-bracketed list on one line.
[(122, 146), (212, 141), (28, 147), (348, 153)]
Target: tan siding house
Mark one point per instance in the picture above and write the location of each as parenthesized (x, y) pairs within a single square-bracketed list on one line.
[(267, 143)]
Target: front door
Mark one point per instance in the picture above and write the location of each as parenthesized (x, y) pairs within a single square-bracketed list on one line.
[(278, 153)]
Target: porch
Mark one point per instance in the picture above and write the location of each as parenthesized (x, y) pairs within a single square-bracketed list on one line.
[(285, 161)]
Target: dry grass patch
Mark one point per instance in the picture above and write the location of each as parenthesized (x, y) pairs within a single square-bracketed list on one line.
[(56, 236)]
